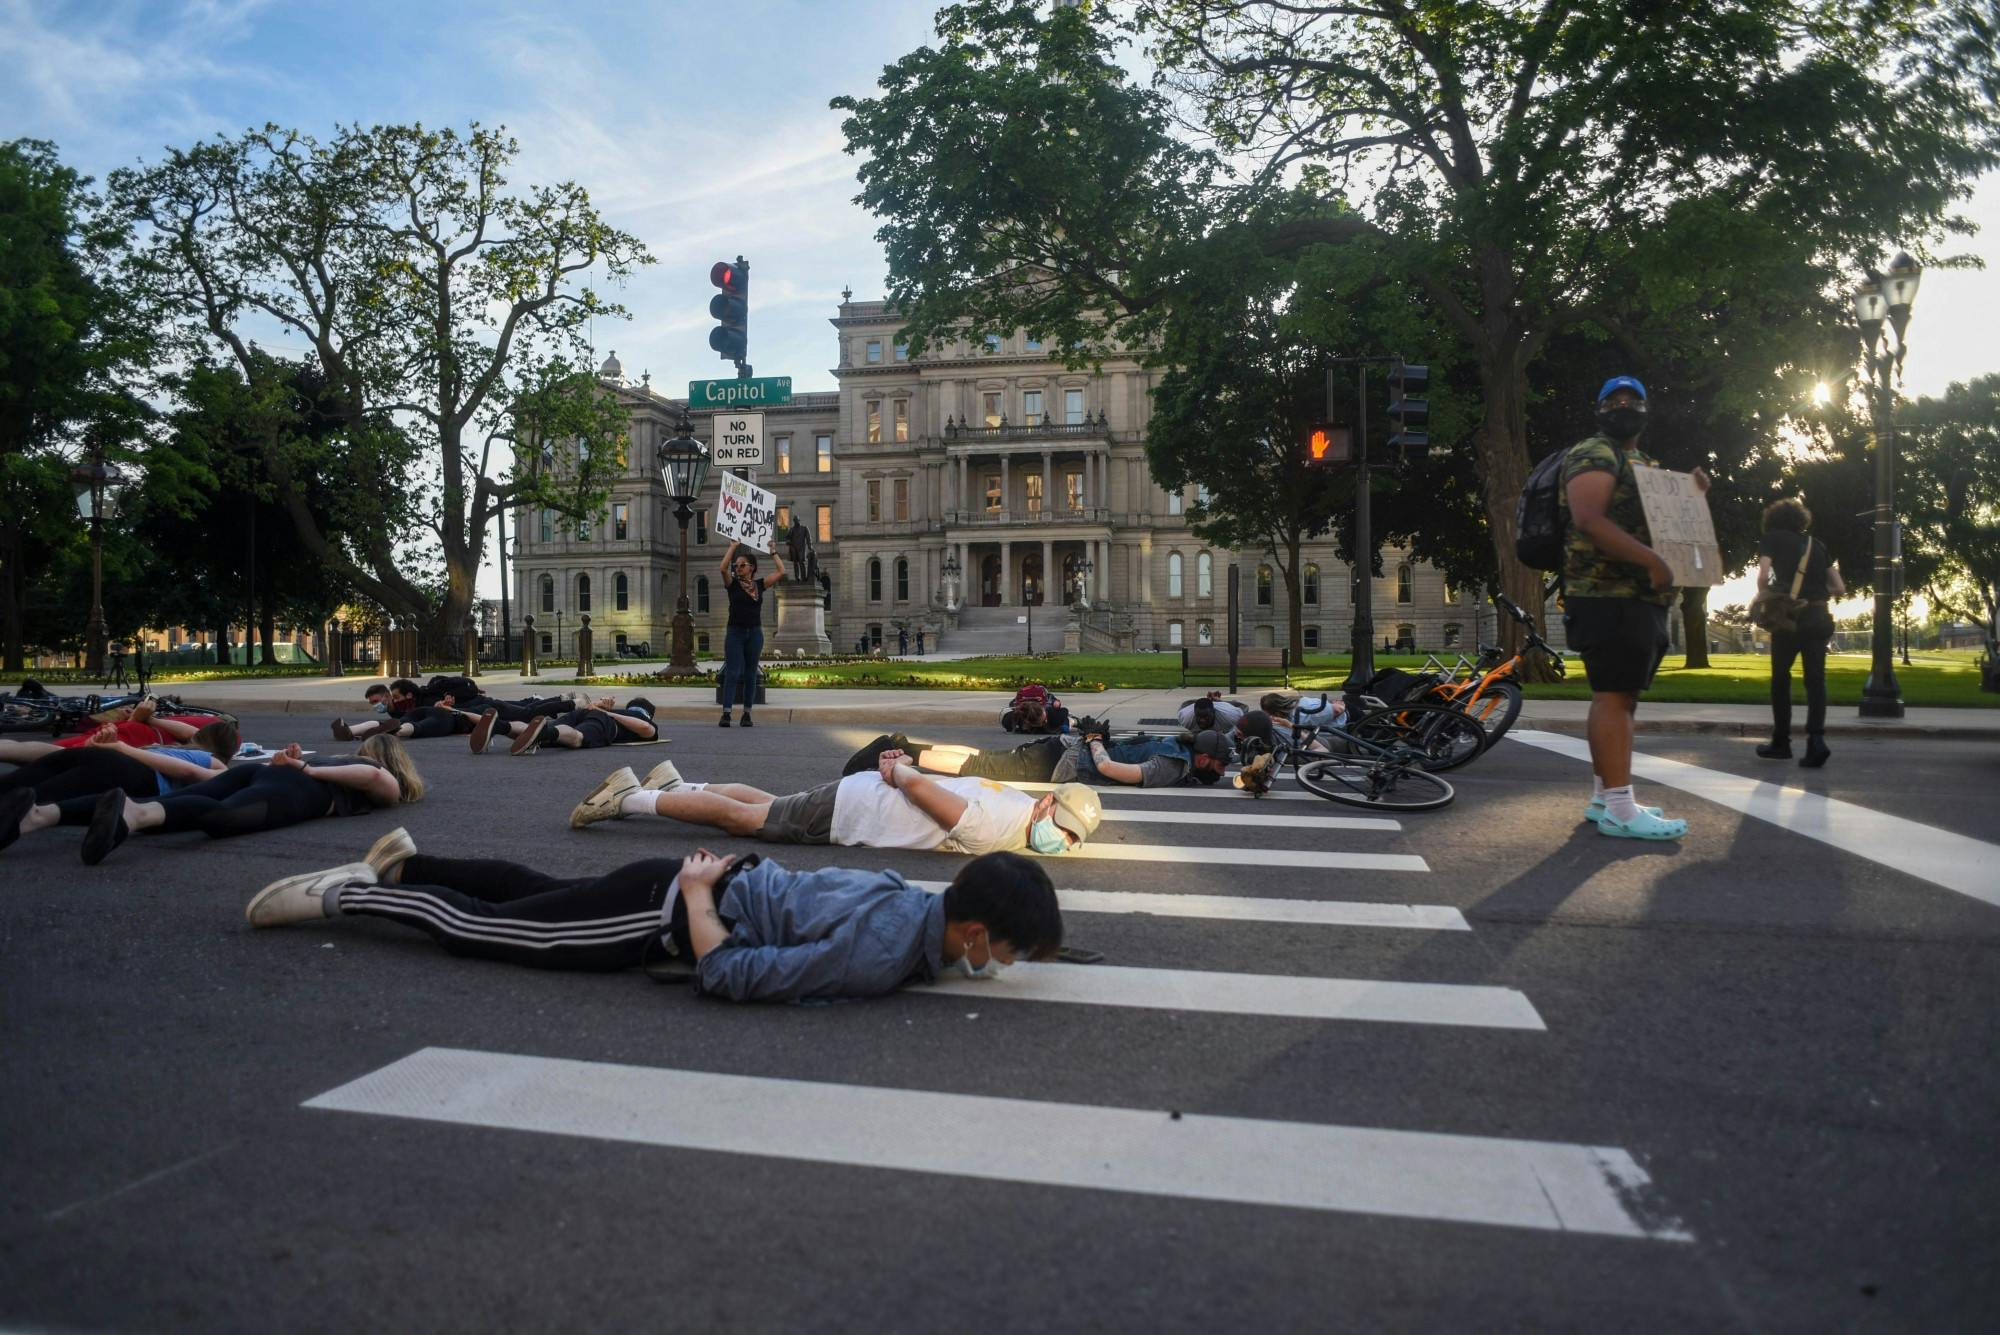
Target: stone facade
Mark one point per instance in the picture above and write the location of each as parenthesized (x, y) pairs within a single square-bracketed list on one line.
[(956, 493)]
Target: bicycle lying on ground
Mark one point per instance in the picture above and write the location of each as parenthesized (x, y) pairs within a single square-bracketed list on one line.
[(1379, 755), (38, 710)]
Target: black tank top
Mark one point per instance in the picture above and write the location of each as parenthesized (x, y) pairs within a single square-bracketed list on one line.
[(345, 801)]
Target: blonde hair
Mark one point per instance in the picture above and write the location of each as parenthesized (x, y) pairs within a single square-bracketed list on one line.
[(386, 750)]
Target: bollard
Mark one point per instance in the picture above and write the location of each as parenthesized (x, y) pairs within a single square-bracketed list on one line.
[(527, 646), (584, 666), (334, 666)]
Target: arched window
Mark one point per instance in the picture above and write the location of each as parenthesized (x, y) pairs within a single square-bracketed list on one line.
[(548, 593), (548, 643), (1174, 634), (1263, 586), (1204, 633), (701, 642), (902, 579), (1451, 635), (1204, 575), (1311, 636), (621, 592), (1406, 638), (1406, 584), (1309, 594), (874, 579), (701, 593), (1173, 574), (583, 593)]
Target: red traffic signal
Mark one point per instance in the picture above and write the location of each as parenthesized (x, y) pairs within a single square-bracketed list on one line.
[(731, 309), (1327, 444), (725, 276)]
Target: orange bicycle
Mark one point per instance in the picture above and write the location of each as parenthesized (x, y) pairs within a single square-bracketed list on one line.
[(1489, 691)]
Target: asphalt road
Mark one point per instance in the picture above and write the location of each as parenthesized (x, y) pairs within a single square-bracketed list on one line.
[(1792, 1042)]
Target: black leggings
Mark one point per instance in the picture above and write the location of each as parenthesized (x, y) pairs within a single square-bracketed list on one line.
[(83, 771), (1031, 762), (1810, 650), (246, 800), (520, 711), (503, 911), (428, 721)]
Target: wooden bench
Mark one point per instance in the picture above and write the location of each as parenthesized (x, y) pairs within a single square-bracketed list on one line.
[(1215, 659)]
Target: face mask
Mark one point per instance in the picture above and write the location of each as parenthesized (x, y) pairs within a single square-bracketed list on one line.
[(1046, 837), (1621, 423), (993, 968), (381, 707)]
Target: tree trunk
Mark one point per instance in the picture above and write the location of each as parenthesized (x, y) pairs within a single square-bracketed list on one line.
[(10, 601), (221, 645), (269, 627), (1694, 625), (1503, 471)]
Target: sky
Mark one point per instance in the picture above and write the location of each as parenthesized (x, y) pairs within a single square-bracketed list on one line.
[(703, 158)]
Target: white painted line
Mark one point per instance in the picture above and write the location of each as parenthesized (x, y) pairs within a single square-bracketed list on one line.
[(1954, 861), (1297, 998), (1296, 1165), (1238, 908), (1248, 857), (1252, 819), (1221, 790)]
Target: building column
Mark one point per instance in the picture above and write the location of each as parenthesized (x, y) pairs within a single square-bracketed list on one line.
[(1006, 487), (1048, 558), (1006, 565), (1103, 563), (1146, 571), (1048, 498), (964, 483)]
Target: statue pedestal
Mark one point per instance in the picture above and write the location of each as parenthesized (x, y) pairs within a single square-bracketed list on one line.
[(801, 621)]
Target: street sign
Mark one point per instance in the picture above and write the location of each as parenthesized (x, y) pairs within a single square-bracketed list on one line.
[(764, 391), (739, 440)]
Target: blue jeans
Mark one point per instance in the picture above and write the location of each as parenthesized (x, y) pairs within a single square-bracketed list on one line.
[(742, 646)]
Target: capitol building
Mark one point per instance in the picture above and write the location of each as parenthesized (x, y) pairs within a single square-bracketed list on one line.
[(955, 493)]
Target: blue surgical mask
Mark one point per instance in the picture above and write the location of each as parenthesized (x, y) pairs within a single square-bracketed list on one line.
[(993, 968), (1045, 836), (381, 706)]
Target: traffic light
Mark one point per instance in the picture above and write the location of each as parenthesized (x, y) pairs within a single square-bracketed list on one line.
[(1409, 411), (1327, 444), (731, 308)]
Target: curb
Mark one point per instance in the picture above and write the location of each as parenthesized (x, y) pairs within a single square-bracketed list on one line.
[(1724, 728)]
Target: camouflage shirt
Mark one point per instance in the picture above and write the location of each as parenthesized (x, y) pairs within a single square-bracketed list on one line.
[(1587, 572)]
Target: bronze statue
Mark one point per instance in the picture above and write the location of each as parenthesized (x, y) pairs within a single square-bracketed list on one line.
[(805, 561)]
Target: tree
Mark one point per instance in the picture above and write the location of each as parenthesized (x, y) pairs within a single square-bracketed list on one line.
[(1493, 162), (1949, 490), (433, 298), (68, 341)]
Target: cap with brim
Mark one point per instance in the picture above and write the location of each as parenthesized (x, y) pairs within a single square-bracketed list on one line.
[(1618, 382), (1212, 744), (1077, 809)]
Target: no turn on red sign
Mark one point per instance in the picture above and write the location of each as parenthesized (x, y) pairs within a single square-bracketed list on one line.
[(739, 440)]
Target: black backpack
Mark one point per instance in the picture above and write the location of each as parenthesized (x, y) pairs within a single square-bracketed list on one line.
[(1538, 516)]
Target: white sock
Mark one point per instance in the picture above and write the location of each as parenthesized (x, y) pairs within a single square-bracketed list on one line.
[(1620, 805), (684, 786), (40, 817), (640, 802), (1596, 789)]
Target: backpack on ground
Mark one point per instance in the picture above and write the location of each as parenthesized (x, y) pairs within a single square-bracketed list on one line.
[(460, 689), (1392, 686), (1010, 718), (1538, 515)]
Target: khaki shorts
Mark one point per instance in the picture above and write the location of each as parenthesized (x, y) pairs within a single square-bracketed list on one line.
[(801, 818)]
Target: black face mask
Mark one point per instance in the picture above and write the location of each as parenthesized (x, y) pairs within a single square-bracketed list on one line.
[(1621, 423)]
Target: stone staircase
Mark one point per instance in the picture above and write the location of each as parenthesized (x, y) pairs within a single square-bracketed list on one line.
[(998, 630)]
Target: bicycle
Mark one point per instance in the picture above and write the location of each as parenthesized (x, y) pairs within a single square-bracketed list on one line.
[(1491, 693), (1391, 753)]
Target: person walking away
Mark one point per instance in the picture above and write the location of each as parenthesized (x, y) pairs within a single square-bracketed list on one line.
[(1616, 591), (743, 642), (920, 643), (1786, 554)]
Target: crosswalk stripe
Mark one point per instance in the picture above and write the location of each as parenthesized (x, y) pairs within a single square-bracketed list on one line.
[(1248, 857), (1238, 908), (1953, 861), (1473, 1006), (1220, 791), (1357, 1170), (1251, 819)]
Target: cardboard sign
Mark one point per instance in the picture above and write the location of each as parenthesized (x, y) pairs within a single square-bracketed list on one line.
[(1682, 531), (746, 513)]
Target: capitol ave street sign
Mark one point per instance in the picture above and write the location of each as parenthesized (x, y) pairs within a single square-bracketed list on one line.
[(762, 392)]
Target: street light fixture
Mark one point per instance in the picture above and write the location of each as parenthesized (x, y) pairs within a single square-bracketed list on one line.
[(683, 468), (92, 482), (1878, 297)]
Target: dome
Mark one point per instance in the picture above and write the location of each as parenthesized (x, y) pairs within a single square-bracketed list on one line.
[(611, 370)]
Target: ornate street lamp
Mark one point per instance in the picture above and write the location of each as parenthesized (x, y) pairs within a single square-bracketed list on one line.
[(92, 482), (1887, 295), (1083, 569), (683, 468)]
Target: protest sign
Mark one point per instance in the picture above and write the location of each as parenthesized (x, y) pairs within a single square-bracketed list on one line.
[(1682, 532), (746, 513)]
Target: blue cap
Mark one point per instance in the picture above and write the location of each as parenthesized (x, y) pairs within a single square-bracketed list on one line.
[(1618, 382)]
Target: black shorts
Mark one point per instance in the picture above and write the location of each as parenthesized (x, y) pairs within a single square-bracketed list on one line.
[(1622, 641)]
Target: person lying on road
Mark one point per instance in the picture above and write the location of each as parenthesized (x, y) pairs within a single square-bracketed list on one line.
[(1138, 760), (602, 722), (62, 788), (753, 930)]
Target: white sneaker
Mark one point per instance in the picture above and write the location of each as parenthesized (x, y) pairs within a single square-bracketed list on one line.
[(388, 852), (302, 898), (662, 778), (603, 802)]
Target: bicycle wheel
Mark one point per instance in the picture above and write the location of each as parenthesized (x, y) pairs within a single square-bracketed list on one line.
[(1383, 785), (1496, 709), (1442, 736)]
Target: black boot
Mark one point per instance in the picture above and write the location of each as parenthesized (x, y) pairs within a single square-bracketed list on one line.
[(1778, 748), (1816, 752)]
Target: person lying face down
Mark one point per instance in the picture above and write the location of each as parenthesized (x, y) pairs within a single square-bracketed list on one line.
[(753, 930)]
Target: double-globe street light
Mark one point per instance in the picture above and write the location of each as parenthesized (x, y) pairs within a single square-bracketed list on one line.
[(683, 468), (92, 482), (1887, 295)]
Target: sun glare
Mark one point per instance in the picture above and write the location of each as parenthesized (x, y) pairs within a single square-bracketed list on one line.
[(1822, 394)]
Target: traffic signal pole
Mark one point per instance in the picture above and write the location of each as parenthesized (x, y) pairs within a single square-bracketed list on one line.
[(1363, 666)]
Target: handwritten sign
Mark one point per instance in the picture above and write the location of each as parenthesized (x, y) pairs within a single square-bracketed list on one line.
[(1682, 531), (746, 513)]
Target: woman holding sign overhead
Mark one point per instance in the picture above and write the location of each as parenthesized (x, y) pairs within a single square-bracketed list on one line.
[(743, 643)]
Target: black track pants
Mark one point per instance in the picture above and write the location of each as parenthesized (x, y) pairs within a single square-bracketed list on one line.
[(1031, 762), (503, 911)]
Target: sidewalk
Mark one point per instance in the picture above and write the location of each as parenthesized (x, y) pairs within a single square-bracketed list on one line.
[(906, 711)]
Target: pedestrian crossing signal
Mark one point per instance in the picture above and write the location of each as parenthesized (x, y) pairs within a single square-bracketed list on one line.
[(1326, 444)]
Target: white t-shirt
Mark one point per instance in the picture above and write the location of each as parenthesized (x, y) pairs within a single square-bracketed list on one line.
[(868, 812)]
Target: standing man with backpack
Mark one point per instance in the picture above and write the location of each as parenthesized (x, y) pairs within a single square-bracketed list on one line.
[(1616, 592)]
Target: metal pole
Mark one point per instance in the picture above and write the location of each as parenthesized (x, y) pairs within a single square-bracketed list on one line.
[(506, 577), (94, 631), (1882, 695), (1363, 667), (683, 656), (1235, 577)]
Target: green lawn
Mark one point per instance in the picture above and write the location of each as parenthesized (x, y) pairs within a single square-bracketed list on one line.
[(1931, 679)]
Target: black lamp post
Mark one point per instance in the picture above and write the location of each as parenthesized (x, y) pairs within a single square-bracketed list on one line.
[(92, 482), (510, 561), (1889, 295), (684, 468)]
